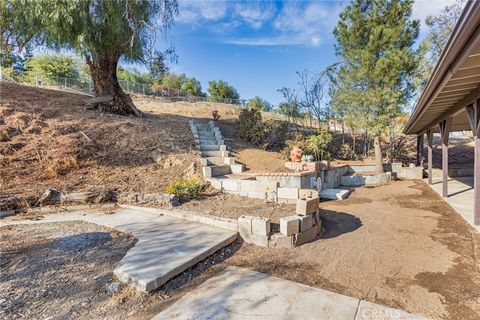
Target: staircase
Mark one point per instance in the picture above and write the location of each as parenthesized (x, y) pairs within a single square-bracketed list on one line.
[(216, 160)]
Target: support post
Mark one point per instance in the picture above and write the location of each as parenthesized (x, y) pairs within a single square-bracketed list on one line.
[(445, 126), (430, 155), (473, 111), (419, 149)]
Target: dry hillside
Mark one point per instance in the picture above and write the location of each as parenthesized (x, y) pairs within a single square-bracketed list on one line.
[(48, 139)]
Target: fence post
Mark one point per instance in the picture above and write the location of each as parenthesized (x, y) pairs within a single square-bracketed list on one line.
[(65, 88), (143, 89), (90, 86)]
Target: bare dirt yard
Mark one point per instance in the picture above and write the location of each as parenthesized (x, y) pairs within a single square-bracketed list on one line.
[(399, 245)]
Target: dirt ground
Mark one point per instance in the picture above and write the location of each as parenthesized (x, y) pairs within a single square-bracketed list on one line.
[(59, 270), (399, 245), (48, 139), (64, 270), (232, 206)]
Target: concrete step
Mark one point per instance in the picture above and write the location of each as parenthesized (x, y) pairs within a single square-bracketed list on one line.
[(215, 153), (207, 141), (206, 136), (209, 147), (220, 170), (216, 161)]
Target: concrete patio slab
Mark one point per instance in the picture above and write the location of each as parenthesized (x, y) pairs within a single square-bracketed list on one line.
[(237, 293), (166, 246), (460, 196)]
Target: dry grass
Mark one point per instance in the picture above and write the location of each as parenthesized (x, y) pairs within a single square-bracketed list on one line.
[(47, 139)]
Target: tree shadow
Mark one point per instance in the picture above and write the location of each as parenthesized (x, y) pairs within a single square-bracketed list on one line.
[(338, 223)]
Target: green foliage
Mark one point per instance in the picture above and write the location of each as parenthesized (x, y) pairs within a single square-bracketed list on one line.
[(289, 109), (52, 66), (133, 75), (277, 132), (317, 145), (186, 188), (260, 104), (192, 87), (173, 81), (96, 28), (439, 29), (375, 40), (221, 90), (250, 127)]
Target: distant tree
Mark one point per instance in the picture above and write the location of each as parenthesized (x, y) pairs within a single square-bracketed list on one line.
[(133, 75), (173, 81), (439, 29), (221, 90), (51, 67), (192, 87), (291, 107), (102, 31), (376, 42), (260, 104)]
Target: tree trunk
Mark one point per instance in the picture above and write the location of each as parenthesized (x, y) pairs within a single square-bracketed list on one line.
[(354, 147), (378, 156), (103, 71), (343, 132)]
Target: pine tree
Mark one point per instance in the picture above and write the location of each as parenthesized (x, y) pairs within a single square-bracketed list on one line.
[(375, 41), (103, 32)]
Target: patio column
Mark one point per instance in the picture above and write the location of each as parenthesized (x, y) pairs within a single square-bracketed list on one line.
[(473, 111), (419, 149), (445, 126), (430, 154)]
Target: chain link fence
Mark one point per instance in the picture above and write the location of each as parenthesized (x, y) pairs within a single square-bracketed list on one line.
[(84, 85)]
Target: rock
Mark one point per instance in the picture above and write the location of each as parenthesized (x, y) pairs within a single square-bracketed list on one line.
[(50, 196), (112, 287)]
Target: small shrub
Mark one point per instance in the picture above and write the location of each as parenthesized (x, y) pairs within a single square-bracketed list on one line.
[(215, 115), (186, 188), (317, 145), (250, 127), (276, 135), (345, 152)]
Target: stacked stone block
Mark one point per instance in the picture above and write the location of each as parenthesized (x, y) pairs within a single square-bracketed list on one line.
[(295, 230)]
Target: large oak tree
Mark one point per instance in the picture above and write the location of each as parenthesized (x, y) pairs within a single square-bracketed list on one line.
[(103, 32)]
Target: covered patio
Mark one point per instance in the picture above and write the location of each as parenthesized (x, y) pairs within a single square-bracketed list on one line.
[(451, 102)]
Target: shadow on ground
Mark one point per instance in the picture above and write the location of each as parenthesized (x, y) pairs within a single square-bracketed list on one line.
[(338, 223)]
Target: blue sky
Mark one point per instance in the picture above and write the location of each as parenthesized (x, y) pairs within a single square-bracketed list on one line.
[(257, 46)]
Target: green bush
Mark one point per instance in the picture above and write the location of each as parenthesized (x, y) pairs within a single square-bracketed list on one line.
[(186, 188), (250, 127), (276, 136), (317, 145)]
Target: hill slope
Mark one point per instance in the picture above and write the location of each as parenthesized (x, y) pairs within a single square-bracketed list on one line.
[(47, 139)]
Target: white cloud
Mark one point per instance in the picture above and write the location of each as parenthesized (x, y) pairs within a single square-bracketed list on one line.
[(423, 8), (297, 23), (255, 13), (201, 10)]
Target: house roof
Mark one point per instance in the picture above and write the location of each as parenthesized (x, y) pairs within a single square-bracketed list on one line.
[(455, 81)]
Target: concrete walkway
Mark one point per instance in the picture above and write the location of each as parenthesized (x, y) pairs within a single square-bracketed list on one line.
[(166, 246), (460, 196), (237, 293)]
